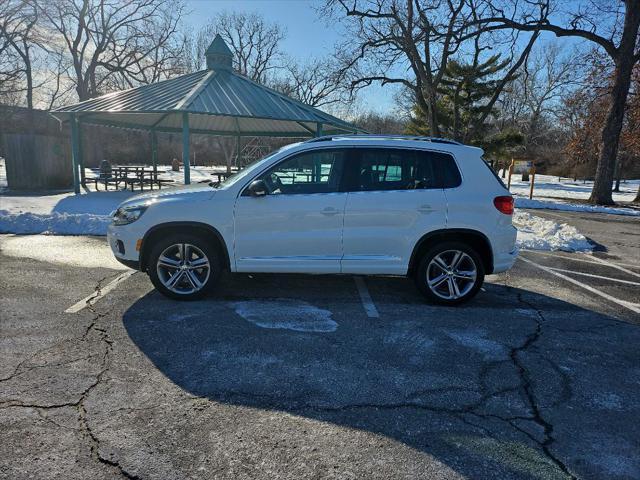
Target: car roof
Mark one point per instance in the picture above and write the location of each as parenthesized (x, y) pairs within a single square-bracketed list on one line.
[(398, 141)]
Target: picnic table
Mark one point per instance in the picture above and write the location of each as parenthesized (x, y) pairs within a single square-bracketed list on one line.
[(224, 175), (130, 176)]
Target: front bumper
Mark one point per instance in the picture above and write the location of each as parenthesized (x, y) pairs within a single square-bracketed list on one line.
[(122, 242)]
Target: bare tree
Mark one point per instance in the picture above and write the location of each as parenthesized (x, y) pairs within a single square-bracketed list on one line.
[(613, 27), (317, 82), (532, 103), (410, 42), (255, 43), (113, 43), (17, 38)]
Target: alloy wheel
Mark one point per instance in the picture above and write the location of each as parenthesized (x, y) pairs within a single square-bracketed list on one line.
[(183, 268), (451, 274)]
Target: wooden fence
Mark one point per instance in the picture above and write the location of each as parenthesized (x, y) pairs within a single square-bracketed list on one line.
[(37, 162)]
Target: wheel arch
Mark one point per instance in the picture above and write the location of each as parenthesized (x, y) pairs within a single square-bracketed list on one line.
[(475, 239), (208, 232)]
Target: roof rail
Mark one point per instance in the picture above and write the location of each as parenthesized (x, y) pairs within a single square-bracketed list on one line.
[(329, 138)]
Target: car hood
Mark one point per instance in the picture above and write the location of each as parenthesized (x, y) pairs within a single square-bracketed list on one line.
[(186, 193)]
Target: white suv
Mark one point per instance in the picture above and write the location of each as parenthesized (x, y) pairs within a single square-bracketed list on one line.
[(366, 205)]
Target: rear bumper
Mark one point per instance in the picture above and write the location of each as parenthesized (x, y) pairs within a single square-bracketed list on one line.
[(505, 251), (504, 262)]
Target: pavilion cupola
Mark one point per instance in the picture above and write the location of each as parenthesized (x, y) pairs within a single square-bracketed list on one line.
[(219, 55)]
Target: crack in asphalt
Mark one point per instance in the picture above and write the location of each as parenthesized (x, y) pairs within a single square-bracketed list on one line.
[(79, 404), (527, 386)]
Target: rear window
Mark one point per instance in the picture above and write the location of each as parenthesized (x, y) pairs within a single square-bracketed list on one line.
[(493, 172), (397, 169)]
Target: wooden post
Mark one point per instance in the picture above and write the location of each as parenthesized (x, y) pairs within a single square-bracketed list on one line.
[(513, 162), (75, 153), (533, 180), (318, 129), (185, 148)]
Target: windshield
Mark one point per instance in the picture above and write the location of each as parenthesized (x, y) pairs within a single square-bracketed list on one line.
[(250, 168)]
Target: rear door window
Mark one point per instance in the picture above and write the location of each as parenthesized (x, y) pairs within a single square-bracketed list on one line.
[(399, 169)]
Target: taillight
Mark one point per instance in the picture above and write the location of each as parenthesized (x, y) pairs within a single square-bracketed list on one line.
[(504, 204)]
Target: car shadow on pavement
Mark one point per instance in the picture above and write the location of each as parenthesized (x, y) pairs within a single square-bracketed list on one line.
[(515, 384)]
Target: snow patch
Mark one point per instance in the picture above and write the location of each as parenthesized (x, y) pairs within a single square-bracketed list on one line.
[(535, 233), (286, 314), (54, 223), (572, 207)]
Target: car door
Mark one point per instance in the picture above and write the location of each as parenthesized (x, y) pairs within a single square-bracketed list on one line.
[(297, 226), (394, 198)]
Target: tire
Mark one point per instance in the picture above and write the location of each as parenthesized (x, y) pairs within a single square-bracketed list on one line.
[(195, 279), (439, 282)]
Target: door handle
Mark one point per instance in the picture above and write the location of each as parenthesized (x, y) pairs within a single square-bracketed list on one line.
[(426, 209), (330, 211)]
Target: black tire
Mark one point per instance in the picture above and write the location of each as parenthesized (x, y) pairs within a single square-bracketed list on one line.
[(205, 247), (470, 287)]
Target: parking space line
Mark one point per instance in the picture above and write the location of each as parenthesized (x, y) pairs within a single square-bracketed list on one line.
[(99, 293), (623, 303), (365, 297), (628, 282), (614, 265), (575, 259)]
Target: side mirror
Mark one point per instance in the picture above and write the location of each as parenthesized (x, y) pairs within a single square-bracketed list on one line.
[(257, 189)]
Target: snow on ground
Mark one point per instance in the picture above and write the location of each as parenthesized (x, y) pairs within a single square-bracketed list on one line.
[(535, 233), (63, 214), (551, 193), (54, 223), (3, 174), (573, 207), (548, 186)]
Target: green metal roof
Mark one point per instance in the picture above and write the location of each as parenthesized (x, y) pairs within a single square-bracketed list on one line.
[(219, 101)]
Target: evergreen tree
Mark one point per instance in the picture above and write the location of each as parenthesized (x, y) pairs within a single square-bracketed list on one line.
[(462, 107)]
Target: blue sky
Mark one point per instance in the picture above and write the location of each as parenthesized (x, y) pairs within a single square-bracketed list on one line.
[(307, 34)]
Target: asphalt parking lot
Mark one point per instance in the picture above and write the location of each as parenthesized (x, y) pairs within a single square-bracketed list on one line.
[(291, 376)]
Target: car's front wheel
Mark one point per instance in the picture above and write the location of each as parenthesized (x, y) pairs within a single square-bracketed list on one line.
[(183, 266), (450, 273)]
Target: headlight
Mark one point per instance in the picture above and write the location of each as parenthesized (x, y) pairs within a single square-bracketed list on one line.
[(126, 215)]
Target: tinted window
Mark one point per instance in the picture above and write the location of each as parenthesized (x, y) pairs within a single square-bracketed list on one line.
[(310, 172), (395, 169)]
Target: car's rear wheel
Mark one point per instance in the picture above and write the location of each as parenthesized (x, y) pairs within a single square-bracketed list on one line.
[(183, 266), (450, 273)]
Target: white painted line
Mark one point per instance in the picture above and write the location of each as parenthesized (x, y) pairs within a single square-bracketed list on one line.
[(367, 302), (614, 265), (574, 258), (631, 306), (98, 294), (594, 276)]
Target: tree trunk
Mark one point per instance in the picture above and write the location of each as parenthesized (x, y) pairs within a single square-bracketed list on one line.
[(601, 193), (616, 175), (29, 74), (637, 199)]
